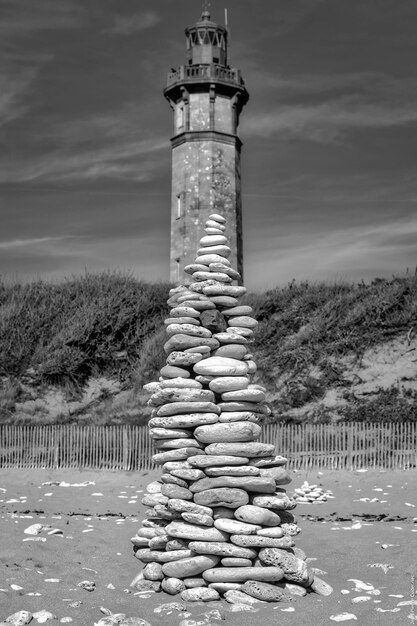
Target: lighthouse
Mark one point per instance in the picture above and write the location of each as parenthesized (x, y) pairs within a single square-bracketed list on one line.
[(206, 96)]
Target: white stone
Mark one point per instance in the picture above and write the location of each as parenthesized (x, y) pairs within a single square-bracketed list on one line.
[(221, 366)]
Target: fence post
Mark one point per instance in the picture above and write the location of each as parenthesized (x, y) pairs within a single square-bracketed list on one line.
[(125, 449), (350, 445)]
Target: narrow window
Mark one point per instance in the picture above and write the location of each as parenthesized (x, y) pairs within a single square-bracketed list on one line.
[(177, 271), (179, 205), (180, 116)]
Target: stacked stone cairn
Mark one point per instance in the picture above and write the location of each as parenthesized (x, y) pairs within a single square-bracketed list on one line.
[(219, 521)]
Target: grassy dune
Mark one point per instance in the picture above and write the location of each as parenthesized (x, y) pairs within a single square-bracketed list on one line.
[(72, 337)]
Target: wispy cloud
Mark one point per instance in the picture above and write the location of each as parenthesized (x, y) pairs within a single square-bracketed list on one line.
[(29, 242), (112, 145), (127, 25), (323, 108), (27, 16)]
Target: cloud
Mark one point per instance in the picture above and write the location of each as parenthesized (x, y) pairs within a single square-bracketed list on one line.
[(112, 145), (27, 16), (133, 23), (324, 108), (29, 242)]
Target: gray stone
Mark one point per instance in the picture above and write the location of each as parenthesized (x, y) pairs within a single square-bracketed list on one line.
[(235, 527), (231, 350), (275, 532), (174, 491), (153, 571), (180, 342), (180, 383), (239, 416), (194, 581), (213, 320), (170, 479), (321, 587), (278, 502), (188, 474), (170, 371), (170, 433), (238, 597), (187, 420), (269, 461), (230, 432), (244, 395), (222, 548), (295, 569), (248, 449), (175, 444), (173, 586), (249, 483), (195, 532), (228, 383), (179, 408), (242, 574), (183, 506), (199, 594), (222, 496), (232, 470), (263, 591), (221, 366), (257, 515), (174, 455), (262, 542), (188, 329), (198, 518), (279, 474), (183, 359), (190, 566), (210, 461), (223, 587), (234, 561), (161, 556)]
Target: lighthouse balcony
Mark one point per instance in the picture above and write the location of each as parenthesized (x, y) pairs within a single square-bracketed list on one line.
[(203, 73)]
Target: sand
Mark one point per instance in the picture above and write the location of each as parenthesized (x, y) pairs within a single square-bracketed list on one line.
[(363, 541)]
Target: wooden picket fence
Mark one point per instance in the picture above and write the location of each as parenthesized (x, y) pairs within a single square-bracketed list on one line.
[(307, 446)]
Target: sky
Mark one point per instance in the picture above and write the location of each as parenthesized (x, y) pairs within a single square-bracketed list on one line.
[(329, 180)]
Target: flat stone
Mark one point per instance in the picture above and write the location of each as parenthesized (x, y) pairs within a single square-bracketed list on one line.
[(239, 416), (140, 542), (292, 589), (184, 530), (189, 474), (279, 474), (150, 533), (153, 571), (184, 359), (220, 366), (158, 543), (180, 383), (276, 502), (184, 506), (174, 491), (235, 405), (174, 444), (291, 529), (242, 574), (269, 461), (244, 395), (181, 320), (206, 259), (204, 350), (249, 449), (179, 408), (213, 240), (232, 470), (161, 556), (231, 350), (199, 304), (167, 395), (235, 527), (220, 249), (188, 420), (321, 587), (235, 431), (216, 217), (276, 532), (174, 455), (169, 433), (222, 588), (295, 569), (221, 267), (239, 310), (195, 581), (243, 321), (231, 561), (187, 329), (222, 548), (184, 311), (180, 342), (263, 591), (176, 544), (238, 597), (171, 371), (199, 594), (223, 496), (225, 290), (230, 338), (195, 267), (150, 499), (243, 332), (222, 512), (249, 483), (256, 515), (220, 460), (191, 566), (197, 518), (258, 541), (228, 383)]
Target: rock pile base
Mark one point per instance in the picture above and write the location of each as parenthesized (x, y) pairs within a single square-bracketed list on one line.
[(219, 521)]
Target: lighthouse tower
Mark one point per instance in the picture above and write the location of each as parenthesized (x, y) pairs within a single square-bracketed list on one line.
[(206, 96)]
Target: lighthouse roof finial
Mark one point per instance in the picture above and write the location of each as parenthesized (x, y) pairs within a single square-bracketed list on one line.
[(206, 12)]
